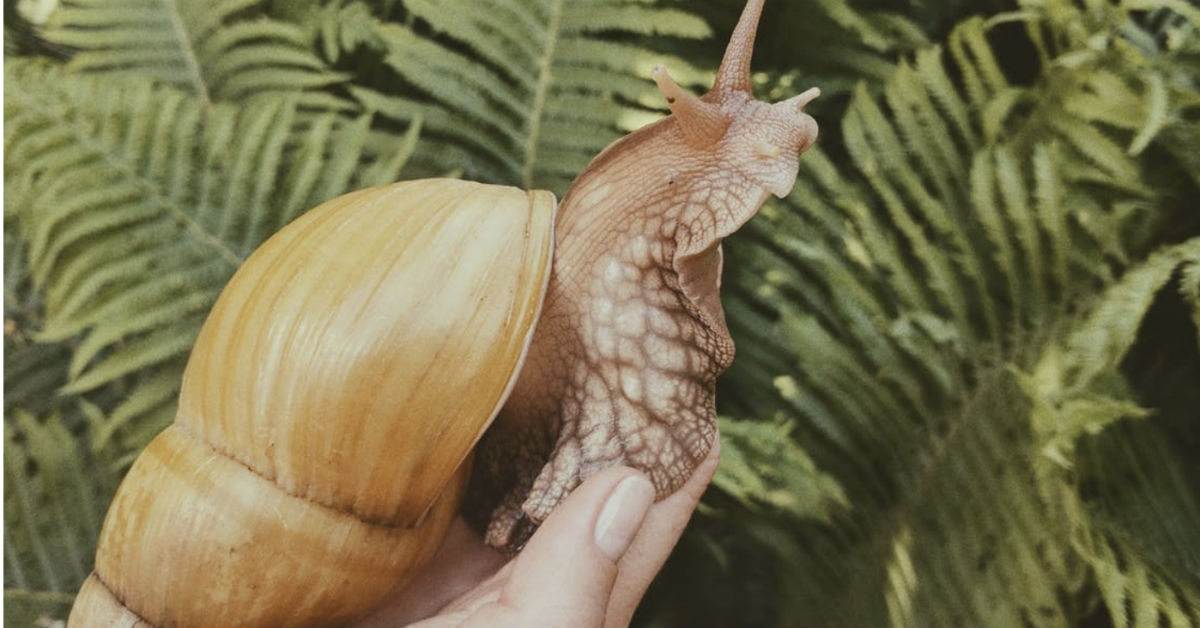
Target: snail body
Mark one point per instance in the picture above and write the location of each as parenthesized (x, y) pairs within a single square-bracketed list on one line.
[(335, 395), (624, 362)]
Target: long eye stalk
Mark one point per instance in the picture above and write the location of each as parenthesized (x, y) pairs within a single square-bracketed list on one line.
[(734, 74)]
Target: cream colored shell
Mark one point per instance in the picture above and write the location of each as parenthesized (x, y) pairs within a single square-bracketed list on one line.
[(327, 409)]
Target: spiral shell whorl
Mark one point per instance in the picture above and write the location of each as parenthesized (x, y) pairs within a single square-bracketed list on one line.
[(266, 557), (326, 412)]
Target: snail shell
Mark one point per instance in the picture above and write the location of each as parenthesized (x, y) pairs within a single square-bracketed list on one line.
[(389, 319)]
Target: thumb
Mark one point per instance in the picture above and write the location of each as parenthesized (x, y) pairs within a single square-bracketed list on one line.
[(565, 576)]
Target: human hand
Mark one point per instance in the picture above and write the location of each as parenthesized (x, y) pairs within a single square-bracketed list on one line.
[(589, 564)]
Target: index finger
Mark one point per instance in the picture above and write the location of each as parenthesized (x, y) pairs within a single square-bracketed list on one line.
[(657, 537)]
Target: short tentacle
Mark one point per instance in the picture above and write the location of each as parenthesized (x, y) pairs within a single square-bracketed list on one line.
[(702, 123), (801, 100)]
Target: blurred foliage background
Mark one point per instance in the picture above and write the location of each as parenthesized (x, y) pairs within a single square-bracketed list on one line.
[(968, 380)]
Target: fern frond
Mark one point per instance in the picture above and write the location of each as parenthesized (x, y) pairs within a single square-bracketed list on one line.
[(498, 86), (763, 469), (1106, 335), (33, 371), (835, 44), (54, 508), (148, 199), (1135, 592), (1133, 501), (958, 536), (342, 29), (890, 303), (1138, 535), (226, 50)]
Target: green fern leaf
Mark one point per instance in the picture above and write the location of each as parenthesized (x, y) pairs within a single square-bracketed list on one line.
[(894, 306), (763, 469), (151, 199), (1136, 593), (1139, 539), (55, 506), (1132, 498), (217, 51), (33, 371), (522, 93)]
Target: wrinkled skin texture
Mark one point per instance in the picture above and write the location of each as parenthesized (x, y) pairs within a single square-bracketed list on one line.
[(632, 336)]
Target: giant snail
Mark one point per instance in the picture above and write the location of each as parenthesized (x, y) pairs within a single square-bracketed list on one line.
[(337, 390)]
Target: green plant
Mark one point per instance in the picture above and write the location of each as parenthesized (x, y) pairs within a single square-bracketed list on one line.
[(968, 367)]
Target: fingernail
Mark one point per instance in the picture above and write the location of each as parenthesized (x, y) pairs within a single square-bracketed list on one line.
[(622, 515)]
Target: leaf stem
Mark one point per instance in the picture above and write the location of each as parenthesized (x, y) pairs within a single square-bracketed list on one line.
[(186, 49), (539, 94)]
